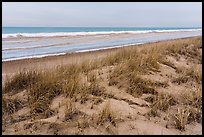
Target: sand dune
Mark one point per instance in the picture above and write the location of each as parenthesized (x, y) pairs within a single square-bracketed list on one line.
[(152, 89)]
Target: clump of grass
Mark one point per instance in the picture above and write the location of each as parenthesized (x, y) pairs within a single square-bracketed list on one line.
[(195, 74), (193, 99), (133, 60), (195, 115), (186, 49), (70, 111), (161, 102), (42, 87), (181, 119), (41, 108), (134, 63), (190, 109), (118, 71), (87, 66), (174, 49), (120, 56), (42, 93), (83, 122), (96, 89), (69, 78), (21, 81), (91, 77), (71, 86), (187, 75), (106, 115), (67, 70), (142, 64), (193, 52), (9, 106), (111, 60), (113, 76), (139, 86), (84, 94)]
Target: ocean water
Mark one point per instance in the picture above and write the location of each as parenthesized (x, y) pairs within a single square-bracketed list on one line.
[(31, 42)]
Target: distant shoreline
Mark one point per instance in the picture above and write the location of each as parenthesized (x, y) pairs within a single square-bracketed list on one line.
[(87, 51), (33, 47)]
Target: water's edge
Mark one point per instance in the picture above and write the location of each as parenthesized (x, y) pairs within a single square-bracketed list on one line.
[(96, 49)]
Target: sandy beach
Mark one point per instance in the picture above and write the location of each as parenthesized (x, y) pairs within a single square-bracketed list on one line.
[(11, 67), (33, 47)]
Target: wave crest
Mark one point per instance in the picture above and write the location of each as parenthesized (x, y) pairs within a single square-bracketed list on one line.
[(57, 34)]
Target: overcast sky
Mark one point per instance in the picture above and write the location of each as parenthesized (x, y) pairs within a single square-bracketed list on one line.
[(102, 14)]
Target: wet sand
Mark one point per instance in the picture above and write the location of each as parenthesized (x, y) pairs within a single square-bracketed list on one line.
[(31, 47)]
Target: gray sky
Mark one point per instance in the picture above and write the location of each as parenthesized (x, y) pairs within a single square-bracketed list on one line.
[(102, 14)]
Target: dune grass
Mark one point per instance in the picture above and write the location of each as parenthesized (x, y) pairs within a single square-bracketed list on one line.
[(181, 119), (107, 115), (71, 111), (161, 102), (21, 81), (9, 106), (191, 74)]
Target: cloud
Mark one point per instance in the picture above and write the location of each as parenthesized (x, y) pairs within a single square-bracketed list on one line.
[(102, 14)]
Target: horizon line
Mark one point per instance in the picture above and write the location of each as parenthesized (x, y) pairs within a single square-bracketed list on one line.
[(111, 27)]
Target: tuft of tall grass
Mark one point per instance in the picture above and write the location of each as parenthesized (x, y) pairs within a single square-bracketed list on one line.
[(142, 64), (87, 66), (185, 49), (71, 111), (91, 77), (187, 75), (139, 86), (42, 92), (71, 87), (161, 102), (181, 118), (195, 74), (9, 106), (96, 89), (193, 99), (106, 115), (21, 81), (121, 56)]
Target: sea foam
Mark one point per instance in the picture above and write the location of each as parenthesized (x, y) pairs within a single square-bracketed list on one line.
[(58, 34)]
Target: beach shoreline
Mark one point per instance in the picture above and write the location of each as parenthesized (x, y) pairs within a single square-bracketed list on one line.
[(36, 47)]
